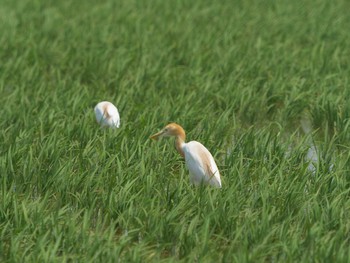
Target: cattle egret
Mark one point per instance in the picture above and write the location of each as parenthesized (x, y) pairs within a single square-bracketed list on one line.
[(199, 160), (107, 114)]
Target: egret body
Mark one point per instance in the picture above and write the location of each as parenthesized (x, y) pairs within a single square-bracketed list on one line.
[(199, 160), (107, 114)]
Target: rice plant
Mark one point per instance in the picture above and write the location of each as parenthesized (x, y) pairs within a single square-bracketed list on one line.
[(239, 76)]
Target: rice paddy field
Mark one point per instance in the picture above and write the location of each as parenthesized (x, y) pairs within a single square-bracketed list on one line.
[(264, 85)]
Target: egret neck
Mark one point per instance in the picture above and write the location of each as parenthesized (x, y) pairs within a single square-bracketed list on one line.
[(180, 138)]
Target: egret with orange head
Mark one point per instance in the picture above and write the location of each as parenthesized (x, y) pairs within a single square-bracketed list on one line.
[(199, 160)]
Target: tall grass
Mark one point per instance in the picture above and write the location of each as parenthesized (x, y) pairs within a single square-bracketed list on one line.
[(237, 75)]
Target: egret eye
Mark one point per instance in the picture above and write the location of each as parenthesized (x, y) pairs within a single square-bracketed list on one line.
[(166, 129)]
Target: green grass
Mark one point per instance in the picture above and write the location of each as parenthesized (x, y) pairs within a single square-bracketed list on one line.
[(237, 75)]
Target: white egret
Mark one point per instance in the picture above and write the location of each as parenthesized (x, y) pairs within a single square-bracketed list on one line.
[(107, 114), (199, 160)]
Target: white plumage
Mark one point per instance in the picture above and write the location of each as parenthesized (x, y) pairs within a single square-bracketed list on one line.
[(107, 114), (201, 164)]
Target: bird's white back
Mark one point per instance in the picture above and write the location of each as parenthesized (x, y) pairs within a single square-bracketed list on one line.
[(107, 114), (201, 164)]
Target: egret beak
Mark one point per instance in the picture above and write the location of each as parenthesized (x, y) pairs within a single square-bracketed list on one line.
[(157, 135)]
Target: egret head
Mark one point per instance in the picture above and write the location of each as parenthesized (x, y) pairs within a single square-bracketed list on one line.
[(171, 129)]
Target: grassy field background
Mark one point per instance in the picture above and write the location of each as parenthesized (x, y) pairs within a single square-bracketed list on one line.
[(238, 75)]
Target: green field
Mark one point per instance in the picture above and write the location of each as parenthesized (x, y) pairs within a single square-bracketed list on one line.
[(238, 75)]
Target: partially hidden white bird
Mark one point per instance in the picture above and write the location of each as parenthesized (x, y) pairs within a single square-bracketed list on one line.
[(107, 114), (199, 161)]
